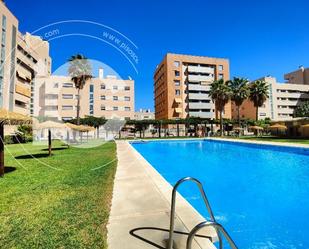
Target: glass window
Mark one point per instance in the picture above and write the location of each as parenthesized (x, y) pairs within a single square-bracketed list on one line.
[(67, 85), (67, 96), (177, 92), (115, 97), (176, 63), (177, 82), (103, 86), (126, 98), (177, 73), (115, 87), (221, 76), (67, 107), (127, 108), (103, 108), (115, 108), (220, 67), (127, 88), (103, 97)]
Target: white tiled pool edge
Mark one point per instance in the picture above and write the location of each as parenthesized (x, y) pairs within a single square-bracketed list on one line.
[(137, 213)]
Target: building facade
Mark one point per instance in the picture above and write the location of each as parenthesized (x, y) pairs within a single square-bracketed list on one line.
[(281, 104), (144, 114), (182, 84), (21, 58), (109, 97), (300, 76)]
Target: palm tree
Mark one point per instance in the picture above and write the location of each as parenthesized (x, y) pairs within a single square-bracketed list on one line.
[(220, 95), (80, 72), (258, 94), (239, 93)]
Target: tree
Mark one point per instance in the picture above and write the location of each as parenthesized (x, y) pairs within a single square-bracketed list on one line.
[(302, 110), (258, 94), (239, 93), (220, 94), (80, 72)]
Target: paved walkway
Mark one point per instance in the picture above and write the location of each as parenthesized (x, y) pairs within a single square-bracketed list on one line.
[(141, 198)]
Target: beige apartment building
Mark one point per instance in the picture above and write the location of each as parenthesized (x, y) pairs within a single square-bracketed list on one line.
[(109, 97), (300, 76), (182, 84), (21, 58), (282, 101), (144, 114)]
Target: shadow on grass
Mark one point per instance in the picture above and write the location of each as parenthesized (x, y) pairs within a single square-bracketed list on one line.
[(31, 156), (46, 149), (9, 169)]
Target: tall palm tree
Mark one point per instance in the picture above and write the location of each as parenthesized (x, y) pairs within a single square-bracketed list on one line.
[(239, 93), (258, 94), (220, 95), (80, 72)]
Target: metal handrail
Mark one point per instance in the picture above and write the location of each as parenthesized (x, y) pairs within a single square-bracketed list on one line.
[(172, 218), (217, 226)]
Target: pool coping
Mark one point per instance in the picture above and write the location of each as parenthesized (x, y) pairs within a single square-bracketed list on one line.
[(187, 216)]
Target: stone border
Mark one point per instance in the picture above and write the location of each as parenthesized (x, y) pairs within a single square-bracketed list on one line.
[(185, 212)]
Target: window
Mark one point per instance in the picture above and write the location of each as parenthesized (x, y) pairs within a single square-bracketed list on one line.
[(67, 96), (56, 85), (220, 67), (177, 92), (66, 118), (67, 85), (127, 108), (126, 98), (176, 63), (220, 76), (115, 97), (103, 108), (115, 87), (103, 87), (51, 108), (177, 82), (51, 96), (103, 97), (115, 108), (177, 73), (67, 107), (127, 88)]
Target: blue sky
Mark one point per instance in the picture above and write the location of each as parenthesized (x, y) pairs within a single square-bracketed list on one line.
[(259, 37)]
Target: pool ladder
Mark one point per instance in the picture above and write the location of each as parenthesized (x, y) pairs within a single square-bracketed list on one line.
[(212, 223)]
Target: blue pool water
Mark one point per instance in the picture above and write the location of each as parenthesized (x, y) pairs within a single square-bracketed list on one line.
[(260, 194)]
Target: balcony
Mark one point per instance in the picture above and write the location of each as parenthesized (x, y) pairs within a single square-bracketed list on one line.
[(200, 78), (202, 114), (199, 69), (198, 87), (199, 96), (201, 105), (23, 90)]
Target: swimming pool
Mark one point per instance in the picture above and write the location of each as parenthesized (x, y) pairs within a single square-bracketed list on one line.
[(259, 193)]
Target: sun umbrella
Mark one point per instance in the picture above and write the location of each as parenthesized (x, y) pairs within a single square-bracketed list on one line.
[(305, 126), (277, 126), (49, 125), (11, 118), (256, 127)]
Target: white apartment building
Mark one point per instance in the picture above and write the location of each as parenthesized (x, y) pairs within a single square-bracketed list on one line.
[(144, 114)]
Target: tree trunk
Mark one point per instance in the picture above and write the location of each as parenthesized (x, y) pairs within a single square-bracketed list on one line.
[(1, 149), (49, 143), (238, 114), (78, 107), (257, 113), (177, 130), (160, 130), (221, 124)]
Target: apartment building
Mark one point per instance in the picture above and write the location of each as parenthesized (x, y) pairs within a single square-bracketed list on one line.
[(300, 76), (144, 114), (22, 56), (109, 97), (182, 84), (281, 104)]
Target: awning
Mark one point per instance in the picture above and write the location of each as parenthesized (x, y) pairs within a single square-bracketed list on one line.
[(178, 110), (178, 100), (23, 76)]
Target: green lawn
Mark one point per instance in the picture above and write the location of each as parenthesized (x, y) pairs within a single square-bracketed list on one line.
[(58, 201), (278, 139)]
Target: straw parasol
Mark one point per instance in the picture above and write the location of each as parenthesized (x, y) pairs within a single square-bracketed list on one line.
[(305, 126), (9, 118), (49, 125), (255, 127), (278, 126)]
